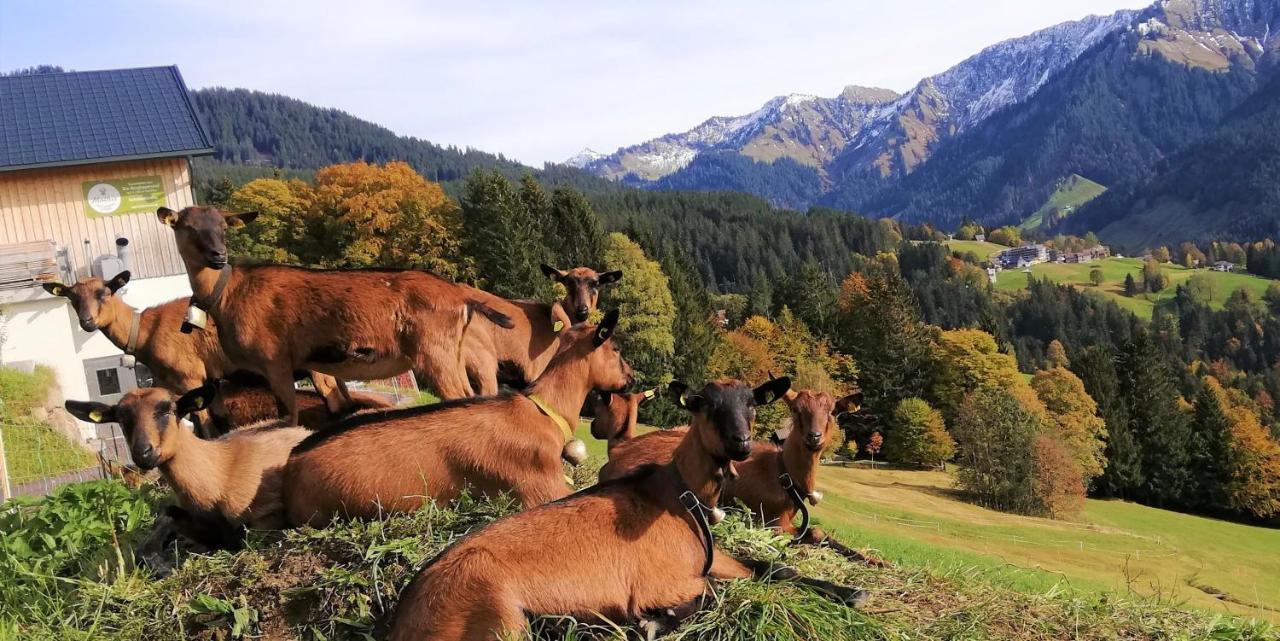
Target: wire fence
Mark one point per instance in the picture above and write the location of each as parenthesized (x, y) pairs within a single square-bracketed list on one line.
[(36, 459)]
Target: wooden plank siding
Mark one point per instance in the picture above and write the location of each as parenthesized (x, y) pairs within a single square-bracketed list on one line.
[(48, 204)]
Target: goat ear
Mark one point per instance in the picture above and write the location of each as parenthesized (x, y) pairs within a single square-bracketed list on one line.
[(551, 272), (118, 281), (197, 399), (167, 216), (604, 331), (780, 435), (679, 394), (609, 277), (772, 390), (57, 289), (850, 403), (91, 411), (240, 220)]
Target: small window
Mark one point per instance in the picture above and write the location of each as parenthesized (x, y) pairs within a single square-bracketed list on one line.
[(108, 382)]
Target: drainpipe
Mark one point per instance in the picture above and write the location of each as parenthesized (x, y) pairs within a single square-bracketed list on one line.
[(88, 260), (123, 252)]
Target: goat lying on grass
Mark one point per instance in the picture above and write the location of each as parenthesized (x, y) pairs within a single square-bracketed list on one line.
[(236, 477), (181, 362), (773, 482), (355, 325), (644, 548), (379, 462)]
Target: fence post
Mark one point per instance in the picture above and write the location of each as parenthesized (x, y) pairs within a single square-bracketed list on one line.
[(5, 491)]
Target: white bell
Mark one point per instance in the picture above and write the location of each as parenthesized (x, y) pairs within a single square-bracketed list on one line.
[(716, 515), (814, 497), (197, 317), (574, 452)]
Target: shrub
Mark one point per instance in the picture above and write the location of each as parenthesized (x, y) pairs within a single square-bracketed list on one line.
[(918, 435)]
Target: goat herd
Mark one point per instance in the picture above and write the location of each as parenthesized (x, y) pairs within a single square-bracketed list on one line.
[(636, 547)]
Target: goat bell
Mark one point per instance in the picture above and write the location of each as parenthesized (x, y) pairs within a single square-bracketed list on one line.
[(574, 452), (815, 497), (715, 515), (196, 318)]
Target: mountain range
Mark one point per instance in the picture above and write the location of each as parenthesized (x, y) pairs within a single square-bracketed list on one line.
[(1113, 99)]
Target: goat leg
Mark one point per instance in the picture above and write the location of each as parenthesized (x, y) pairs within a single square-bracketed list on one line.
[(818, 538), (767, 571)]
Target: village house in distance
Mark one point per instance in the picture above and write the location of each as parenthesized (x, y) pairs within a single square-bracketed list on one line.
[(1033, 253), (86, 158)]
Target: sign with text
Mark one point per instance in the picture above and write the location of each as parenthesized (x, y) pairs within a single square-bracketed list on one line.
[(122, 196)]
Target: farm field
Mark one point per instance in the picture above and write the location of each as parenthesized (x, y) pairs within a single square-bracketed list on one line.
[(1114, 271), (983, 249), (916, 519), (1076, 190)]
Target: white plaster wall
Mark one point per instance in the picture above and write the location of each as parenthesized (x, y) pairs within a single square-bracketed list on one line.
[(42, 328)]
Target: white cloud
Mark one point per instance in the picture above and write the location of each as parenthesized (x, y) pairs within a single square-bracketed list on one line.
[(536, 81)]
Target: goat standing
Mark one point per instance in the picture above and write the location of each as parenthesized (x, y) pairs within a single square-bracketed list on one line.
[(647, 554), (355, 325)]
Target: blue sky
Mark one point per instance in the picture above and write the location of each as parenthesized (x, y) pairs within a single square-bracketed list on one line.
[(538, 80)]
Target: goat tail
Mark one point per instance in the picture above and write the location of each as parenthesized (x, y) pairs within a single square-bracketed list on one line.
[(496, 317)]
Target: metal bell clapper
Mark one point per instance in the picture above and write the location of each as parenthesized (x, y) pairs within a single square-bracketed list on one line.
[(574, 452), (815, 497)]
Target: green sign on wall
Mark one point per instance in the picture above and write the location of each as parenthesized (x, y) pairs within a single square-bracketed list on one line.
[(122, 196)]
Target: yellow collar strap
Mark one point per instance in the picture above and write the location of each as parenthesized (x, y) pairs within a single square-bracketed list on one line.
[(559, 420)]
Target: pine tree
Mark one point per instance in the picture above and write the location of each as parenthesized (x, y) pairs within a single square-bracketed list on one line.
[(1210, 448), (503, 238), (575, 234), (1130, 286), (1161, 430), (1122, 475), (811, 296), (695, 337)]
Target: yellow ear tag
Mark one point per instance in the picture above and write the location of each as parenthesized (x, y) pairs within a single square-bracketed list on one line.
[(57, 291), (648, 393), (171, 218), (557, 326), (95, 416), (199, 402)]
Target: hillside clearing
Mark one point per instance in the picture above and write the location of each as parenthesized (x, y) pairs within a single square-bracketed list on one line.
[(1071, 193), (1114, 271), (982, 249)]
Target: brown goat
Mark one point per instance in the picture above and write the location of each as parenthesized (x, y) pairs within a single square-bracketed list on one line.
[(357, 324), (534, 338), (236, 477), (647, 552), (380, 462), (759, 483), (615, 416), (180, 362)]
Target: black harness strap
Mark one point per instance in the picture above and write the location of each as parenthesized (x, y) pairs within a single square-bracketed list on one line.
[(789, 485), (698, 511)]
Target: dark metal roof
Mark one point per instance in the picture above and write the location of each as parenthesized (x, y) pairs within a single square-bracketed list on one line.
[(76, 118)]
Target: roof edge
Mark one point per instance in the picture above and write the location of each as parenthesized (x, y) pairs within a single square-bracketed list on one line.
[(184, 153)]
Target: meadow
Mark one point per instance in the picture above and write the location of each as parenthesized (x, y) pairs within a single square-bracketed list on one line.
[(1114, 271)]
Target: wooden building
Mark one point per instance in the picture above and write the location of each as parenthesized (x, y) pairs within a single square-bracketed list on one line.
[(85, 160)]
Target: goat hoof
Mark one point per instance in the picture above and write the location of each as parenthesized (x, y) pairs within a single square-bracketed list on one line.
[(717, 515), (855, 597), (575, 452), (815, 497), (650, 629)]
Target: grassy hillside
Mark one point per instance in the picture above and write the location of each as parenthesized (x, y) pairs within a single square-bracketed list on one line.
[(1072, 192), (983, 250), (1114, 271), (916, 519)]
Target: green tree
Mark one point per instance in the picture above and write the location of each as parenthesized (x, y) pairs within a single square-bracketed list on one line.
[(503, 237), (281, 222), (919, 435), (695, 338), (643, 297), (995, 435), (1272, 297), (1096, 368), (811, 296), (1159, 427), (1096, 276), (1130, 286), (1203, 288), (1209, 453), (574, 234), (1153, 277)]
